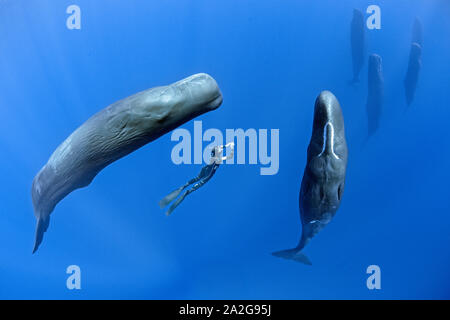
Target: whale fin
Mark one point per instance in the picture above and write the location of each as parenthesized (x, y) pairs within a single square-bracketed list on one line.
[(170, 197), (293, 254), (41, 228)]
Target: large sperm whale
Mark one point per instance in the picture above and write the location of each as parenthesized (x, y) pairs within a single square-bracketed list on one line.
[(114, 132), (324, 176), (357, 40), (375, 93)]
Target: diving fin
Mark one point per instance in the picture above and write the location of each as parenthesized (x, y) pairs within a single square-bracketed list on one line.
[(170, 197)]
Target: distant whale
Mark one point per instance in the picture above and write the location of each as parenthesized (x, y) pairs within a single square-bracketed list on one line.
[(357, 37), (375, 93), (324, 177), (417, 34), (113, 133), (412, 74)]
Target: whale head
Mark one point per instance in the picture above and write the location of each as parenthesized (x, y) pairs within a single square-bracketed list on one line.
[(324, 177), (203, 89), (328, 136), (375, 62)]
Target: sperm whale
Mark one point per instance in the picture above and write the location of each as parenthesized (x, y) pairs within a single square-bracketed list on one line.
[(375, 93), (417, 33), (115, 132), (412, 74), (324, 176), (357, 40)]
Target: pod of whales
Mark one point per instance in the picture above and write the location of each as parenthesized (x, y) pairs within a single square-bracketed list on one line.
[(113, 133), (324, 176)]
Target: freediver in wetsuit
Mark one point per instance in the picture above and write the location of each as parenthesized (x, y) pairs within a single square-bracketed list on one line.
[(203, 177)]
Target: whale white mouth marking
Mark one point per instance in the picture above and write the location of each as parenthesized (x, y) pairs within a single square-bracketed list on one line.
[(325, 139)]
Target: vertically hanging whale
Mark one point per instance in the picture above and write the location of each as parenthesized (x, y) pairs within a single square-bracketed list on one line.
[(415, 61), (412, 74), (417, 33), (324, 177), (113, 133), (357, 39), (375, 93)]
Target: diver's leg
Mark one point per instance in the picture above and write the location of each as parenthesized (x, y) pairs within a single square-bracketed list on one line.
[(187, 192), (199, 184), (205, 174), (175, 193), (177, 202), (171, 196), (200, 176)]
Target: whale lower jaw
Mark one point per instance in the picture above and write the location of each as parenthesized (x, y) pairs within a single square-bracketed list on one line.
[(216, 102)]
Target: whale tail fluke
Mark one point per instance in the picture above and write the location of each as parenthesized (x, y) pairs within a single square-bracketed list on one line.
[(293, 254), (170, 197), (41, 228)]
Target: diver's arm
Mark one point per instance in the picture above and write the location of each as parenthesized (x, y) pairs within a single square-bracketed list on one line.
[(219, 150), (231, 154)]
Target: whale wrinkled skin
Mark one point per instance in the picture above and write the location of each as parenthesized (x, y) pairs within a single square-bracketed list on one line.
[(323, 180), (113, 133)]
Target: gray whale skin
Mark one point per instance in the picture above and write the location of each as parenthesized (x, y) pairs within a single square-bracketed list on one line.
[(324, 176), (114, 132)]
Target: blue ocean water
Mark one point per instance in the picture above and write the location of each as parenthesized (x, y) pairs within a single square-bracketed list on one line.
[(271, 59)]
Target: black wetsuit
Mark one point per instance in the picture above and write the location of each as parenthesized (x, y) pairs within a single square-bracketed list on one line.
[(203, 177)]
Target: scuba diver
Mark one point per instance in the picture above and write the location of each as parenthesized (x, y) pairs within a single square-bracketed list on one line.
[(203, 177)]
